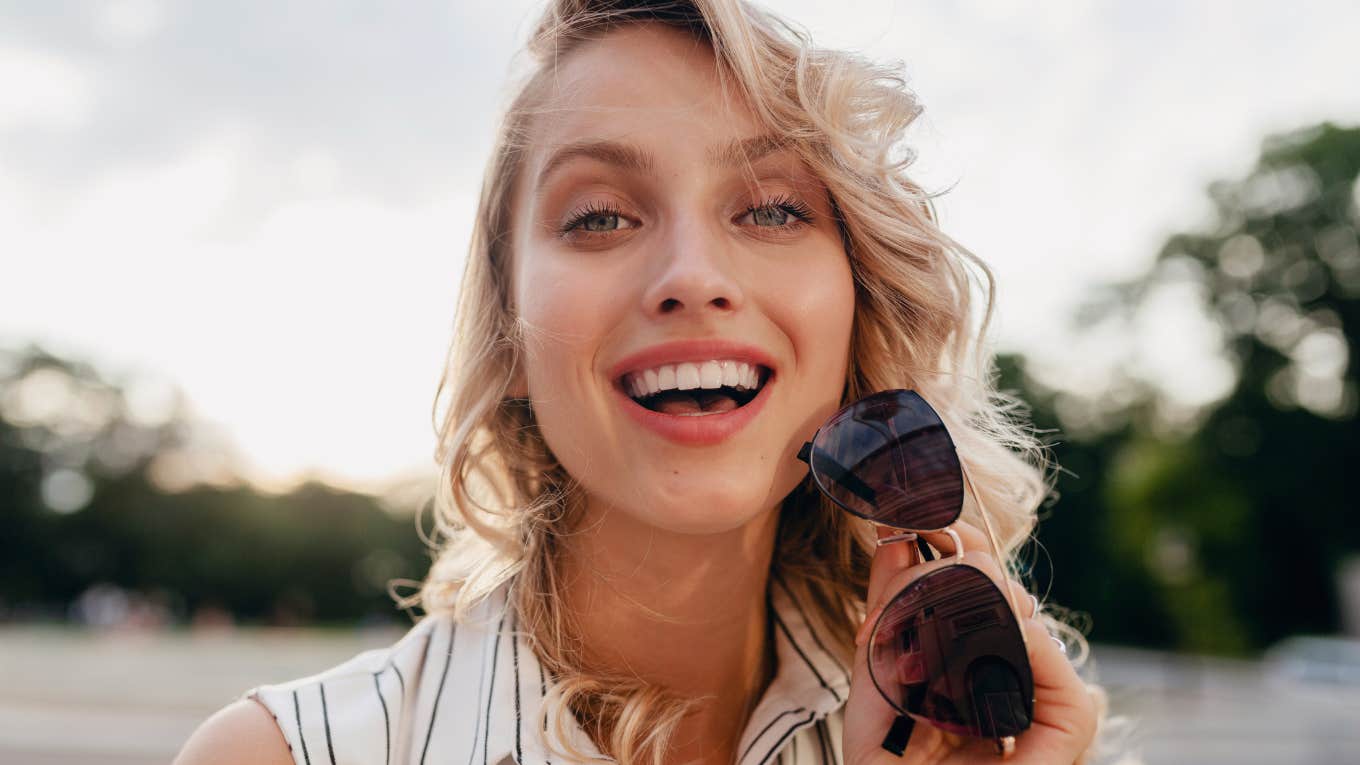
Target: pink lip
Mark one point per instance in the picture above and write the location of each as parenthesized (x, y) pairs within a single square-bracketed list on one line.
[(703, 430)]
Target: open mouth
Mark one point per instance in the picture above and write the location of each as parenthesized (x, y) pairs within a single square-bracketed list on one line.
[(694, 389)]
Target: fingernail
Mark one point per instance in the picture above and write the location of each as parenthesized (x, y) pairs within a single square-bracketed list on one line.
[(863, 634)]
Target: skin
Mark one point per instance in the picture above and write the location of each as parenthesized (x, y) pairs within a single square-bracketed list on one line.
[(668, 572)]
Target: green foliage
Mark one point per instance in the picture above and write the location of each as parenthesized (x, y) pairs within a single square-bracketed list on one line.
[(1227, 537), (314, 554)]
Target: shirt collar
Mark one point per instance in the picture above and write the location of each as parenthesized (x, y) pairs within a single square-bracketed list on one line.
[(810, 683)]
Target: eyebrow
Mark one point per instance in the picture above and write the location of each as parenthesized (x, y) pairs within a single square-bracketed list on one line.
[(629, 157)]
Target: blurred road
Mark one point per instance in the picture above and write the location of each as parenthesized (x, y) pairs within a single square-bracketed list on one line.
[(69, 697), (1186, 710)]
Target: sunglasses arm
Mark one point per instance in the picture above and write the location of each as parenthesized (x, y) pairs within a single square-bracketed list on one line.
[(1009, 593)]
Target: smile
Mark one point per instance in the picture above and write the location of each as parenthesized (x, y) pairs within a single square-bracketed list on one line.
[(696, 389), (695, 392)]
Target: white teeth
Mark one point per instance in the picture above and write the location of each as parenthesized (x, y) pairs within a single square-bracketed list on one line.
[(665, 378), (730, 377), (686, 376), (710, 375), (691, 375)]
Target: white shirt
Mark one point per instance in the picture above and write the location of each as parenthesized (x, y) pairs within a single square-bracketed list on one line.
[(468, 692)]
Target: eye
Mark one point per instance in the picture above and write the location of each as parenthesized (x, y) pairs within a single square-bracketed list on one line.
[(595, 219), (776, 212), (781, 213)]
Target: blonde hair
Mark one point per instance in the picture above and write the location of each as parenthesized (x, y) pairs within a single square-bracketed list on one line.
[(503, 503)]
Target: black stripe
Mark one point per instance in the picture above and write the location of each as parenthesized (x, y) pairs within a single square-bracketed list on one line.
[(297, 712), (787, 733), (439, 693), (326, 718), (799, 608), (821, 741), (491, 689), (387, 721), (768, 725), (795, 752), (830, 743), (806, 660), (514, 654), (400, 678)]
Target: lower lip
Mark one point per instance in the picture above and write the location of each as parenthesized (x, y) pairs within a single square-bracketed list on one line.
[(696, 430)]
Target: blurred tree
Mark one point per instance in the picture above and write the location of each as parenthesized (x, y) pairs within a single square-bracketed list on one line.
[(1223, 532), (80, 506)]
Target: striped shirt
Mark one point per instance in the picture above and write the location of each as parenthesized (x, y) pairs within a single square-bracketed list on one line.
[(470, 691)]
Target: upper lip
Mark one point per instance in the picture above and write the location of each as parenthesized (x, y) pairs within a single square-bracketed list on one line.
[(679, 351)]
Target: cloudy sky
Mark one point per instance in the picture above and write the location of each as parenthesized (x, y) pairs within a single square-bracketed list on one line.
[(267, 203)]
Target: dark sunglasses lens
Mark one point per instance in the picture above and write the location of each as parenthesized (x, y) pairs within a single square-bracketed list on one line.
[(888, 458), (947, 649)]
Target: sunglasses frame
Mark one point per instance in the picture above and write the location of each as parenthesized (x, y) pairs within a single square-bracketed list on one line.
[(901, 729)]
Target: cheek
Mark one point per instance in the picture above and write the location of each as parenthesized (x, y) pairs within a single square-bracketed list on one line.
[(815, 305), (559, 337), (566, 316)]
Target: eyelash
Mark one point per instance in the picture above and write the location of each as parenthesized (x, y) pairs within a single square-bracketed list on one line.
[(794, 207)]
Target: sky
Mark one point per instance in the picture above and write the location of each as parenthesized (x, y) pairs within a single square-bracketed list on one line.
[(267, 204)]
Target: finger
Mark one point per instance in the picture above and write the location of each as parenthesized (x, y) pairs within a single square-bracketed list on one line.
[(888, 560), (1026, 603), (974, 540), (1048, 660), (972, 537), (1065, 713)]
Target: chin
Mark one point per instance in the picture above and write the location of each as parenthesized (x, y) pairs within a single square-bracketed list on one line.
[(704, 513), (707, 524)]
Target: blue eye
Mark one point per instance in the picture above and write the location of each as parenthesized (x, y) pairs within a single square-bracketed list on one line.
[(597, 219), (778, 209)]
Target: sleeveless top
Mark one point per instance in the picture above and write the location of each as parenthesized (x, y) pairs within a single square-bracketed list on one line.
[(470, 692)]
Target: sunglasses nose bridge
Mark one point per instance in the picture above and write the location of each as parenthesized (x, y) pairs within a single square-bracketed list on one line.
[(906, 536)]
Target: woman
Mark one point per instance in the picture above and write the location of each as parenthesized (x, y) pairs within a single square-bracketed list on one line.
[(637, 564)]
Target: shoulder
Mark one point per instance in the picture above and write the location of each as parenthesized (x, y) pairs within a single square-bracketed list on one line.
[(350, 710), (243, 732)]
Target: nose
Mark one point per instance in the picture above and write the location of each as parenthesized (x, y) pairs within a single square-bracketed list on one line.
[(694, 273)]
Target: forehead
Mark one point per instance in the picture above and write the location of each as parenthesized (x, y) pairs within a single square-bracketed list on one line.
[(646, 84)]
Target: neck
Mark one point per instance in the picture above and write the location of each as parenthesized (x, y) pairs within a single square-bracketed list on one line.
[(681, 611)]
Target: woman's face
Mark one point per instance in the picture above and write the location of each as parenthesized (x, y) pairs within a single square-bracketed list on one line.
[(642, 252)]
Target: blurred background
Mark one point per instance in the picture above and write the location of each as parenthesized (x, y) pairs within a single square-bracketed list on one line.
[(230, 241)]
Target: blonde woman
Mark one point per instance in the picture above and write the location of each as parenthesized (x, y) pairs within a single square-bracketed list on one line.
[(693, 246)]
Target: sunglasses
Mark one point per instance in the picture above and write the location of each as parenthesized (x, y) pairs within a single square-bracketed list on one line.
[(947, 649)]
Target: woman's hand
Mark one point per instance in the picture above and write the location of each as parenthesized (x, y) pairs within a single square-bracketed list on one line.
[(1064, 713)]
